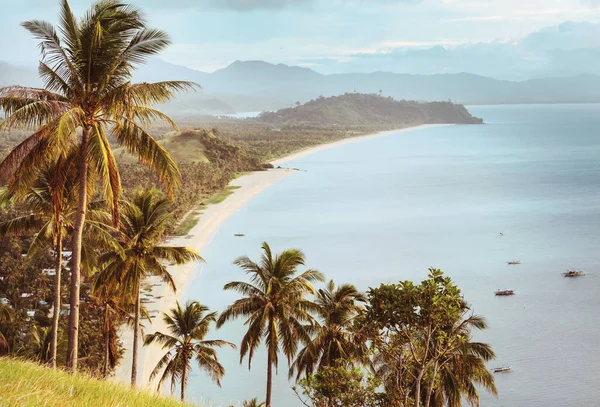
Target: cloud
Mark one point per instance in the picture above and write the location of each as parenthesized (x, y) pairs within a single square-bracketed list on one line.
[(472, 18), (567, 49)]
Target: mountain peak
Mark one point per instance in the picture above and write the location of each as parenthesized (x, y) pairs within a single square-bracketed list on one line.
[(257, 67)]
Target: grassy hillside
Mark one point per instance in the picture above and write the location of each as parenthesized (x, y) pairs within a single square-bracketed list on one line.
[(369, 109), (26, 384)]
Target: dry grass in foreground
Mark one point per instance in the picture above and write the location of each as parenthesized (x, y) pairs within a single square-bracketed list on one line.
[(26, 384)]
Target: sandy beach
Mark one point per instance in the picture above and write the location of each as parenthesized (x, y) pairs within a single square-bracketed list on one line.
[(162, 298)]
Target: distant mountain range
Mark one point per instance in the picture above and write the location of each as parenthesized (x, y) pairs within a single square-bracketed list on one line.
[(258, 86)]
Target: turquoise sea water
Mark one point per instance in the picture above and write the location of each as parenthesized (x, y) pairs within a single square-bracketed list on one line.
[(386, 209)]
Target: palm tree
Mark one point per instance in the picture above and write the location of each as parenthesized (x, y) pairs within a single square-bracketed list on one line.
[(116, 306), (187, 329), (87, 67), (52, 204), (464, 368), (275, 305), (38, 346), (333, 336), (143, 226), (253, 403)]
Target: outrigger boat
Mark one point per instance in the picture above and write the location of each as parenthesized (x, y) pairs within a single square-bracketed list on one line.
[(505, 292), (574, 273), (512, 262), (502, 369), (239, 235)]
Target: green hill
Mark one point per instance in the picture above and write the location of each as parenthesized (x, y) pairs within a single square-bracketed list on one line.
[(356, 109), (26, 384), (196, 146)]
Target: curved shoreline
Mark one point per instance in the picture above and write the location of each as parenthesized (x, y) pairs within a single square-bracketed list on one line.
[(199, 237)]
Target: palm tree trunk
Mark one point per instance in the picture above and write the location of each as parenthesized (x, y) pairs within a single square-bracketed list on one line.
[(76, 255), (106, 342), (269, 379), (56, 315), (183, 377), (136, 333)]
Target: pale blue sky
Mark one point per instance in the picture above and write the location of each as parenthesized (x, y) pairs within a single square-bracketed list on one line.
[(504, 38)]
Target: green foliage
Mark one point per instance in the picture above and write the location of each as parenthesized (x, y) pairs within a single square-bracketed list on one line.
[(334, 339), (340, 387), (369, 109), (185, 340), (416, 333), (275, 304)]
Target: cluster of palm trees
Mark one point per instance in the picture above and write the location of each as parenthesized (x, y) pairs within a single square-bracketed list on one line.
[(65, 173), (316, 329)]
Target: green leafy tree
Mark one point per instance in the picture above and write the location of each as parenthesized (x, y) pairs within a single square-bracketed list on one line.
[(188, 328), (143, 223), (339, 386), (334, 337), (87, 66), (275, 304), (418, 332)]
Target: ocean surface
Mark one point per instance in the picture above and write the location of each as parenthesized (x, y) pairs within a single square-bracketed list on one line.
[(386, 209)]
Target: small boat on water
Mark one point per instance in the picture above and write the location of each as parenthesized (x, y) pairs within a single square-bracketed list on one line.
[(513, 262), (505, 292), (574, 273), (239, 235), (502, 369)]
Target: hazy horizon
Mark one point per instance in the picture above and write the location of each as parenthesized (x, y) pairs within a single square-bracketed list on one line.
[(498, 39)]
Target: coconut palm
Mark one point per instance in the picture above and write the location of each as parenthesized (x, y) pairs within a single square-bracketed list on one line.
[(143, 221), (116, 306), (253, 403), (38, 345), (52, 204), (464, 368), (275, 305), (333, 336), (187, 329), (86, 67)]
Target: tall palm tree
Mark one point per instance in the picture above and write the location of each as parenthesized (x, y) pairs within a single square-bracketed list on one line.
[(143, 221), (187, 329), (87, 66), (275, 305), (333, 336), (116, 307), (52, 204), (464, 369)]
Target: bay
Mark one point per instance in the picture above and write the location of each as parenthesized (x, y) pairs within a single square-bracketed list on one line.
[(386, 209)]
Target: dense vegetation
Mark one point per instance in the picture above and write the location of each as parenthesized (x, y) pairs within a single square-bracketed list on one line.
[(367, 109), (84, 224)]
